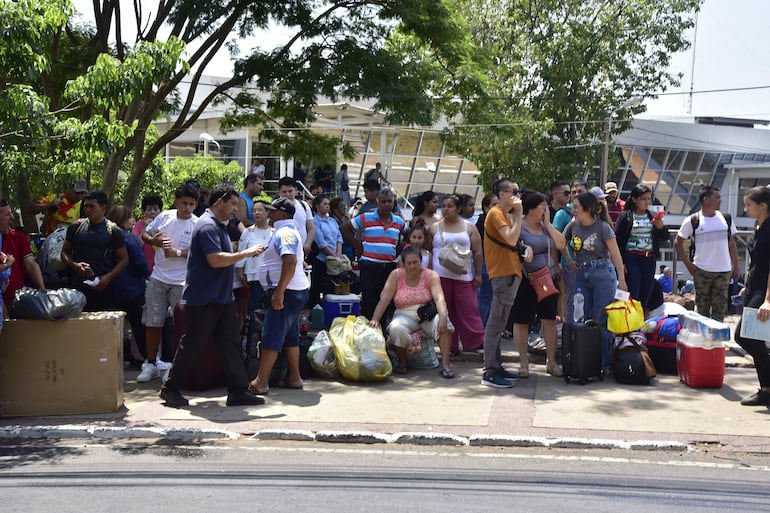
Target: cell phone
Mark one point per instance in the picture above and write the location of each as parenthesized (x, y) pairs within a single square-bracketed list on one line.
[(658, 216)]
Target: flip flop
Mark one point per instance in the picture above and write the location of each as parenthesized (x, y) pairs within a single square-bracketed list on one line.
[(447, 373), (284, 384), (254, 390)]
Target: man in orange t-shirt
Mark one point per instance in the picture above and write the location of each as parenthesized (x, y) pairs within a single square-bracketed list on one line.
[(61, 208), (501, 235)]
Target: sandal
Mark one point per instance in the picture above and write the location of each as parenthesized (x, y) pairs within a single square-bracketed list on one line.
[(554, 369), (523, 372), (447, 373), (252, 388)]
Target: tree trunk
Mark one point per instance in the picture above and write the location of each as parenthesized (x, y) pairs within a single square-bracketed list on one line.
[(24, 197)]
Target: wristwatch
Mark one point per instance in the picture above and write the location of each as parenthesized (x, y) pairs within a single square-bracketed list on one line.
[(178, 252)]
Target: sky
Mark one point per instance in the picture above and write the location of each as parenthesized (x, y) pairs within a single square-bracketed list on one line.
[(731, 52), (731, 75)]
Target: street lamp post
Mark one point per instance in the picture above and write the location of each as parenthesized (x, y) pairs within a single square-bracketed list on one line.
[(631, 102)]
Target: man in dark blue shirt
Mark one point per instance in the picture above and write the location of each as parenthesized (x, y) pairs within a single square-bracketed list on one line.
[(210, 304)]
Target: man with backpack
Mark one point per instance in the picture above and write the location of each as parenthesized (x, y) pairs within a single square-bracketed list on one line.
[(95, 252), (714, 259)]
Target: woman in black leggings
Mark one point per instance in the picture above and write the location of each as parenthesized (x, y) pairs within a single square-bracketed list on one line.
[(756, 294)]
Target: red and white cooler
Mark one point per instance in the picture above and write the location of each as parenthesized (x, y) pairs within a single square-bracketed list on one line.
[(700, 361)]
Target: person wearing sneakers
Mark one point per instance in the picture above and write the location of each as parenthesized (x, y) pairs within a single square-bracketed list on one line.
[(283, 275), (210, 305), (170, 234), (501, 238)]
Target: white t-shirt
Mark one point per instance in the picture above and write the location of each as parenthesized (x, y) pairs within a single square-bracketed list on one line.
[(171, 270), (301, 214), (285, 241), (253, 236), (712, 252)]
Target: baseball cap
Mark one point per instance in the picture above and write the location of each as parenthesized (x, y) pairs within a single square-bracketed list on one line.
[(80, 186), (610, 186), (282, 204), (598, 192)]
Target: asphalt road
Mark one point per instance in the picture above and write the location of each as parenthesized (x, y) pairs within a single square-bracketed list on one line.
[(138, 476)]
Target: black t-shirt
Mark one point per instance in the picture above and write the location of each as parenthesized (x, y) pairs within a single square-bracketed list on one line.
[(93, 243)]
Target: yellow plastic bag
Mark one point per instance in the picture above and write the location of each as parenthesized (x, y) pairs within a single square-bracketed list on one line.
[(359, 350), (624, 316)]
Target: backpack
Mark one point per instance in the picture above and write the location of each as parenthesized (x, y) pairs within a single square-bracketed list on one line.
[(695, 222), (53, 245)]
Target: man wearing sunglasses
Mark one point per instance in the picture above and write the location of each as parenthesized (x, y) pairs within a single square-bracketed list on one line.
[(559, 193)]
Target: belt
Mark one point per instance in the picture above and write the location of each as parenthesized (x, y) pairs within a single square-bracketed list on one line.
[(641, 253)]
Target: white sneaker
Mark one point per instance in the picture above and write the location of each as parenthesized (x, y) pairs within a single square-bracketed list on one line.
[(149, 372), (161, 365)]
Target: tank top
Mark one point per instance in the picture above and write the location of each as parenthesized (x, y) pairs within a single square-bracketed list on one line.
[(463, 240), (249, 205), (407, 296)]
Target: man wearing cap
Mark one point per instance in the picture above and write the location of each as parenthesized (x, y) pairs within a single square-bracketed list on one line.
[(615, 205), (210, 304), (283, 275), (61, 208)]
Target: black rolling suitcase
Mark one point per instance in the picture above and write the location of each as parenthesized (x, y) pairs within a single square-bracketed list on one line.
[(581, 348)]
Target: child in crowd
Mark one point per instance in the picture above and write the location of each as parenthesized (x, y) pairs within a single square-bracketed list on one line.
[(152, 204), (418, 238)]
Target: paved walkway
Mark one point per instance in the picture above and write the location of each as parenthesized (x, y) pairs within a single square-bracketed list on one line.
[(422, 407)]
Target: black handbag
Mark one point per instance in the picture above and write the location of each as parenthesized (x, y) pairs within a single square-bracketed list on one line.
[(427, 311)]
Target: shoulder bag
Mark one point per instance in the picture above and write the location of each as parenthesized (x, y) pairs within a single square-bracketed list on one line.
[(541, 280), (452, 256)]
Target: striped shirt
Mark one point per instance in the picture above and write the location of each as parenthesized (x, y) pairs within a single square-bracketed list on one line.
[(379, 240)]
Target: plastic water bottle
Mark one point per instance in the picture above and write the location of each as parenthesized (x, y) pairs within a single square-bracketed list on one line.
[(304, 324), (578, 301)]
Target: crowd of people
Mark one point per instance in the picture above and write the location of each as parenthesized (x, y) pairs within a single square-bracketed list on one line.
[(480, 275)]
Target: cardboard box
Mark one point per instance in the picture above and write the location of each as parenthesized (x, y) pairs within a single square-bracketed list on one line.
[(62, 367)]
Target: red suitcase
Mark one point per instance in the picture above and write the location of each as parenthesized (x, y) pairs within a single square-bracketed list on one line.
[(207, 373)]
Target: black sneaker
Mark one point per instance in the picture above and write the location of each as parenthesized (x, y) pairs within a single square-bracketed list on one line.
[(173, 398), (244, 399), (495, 380), (761, 398)]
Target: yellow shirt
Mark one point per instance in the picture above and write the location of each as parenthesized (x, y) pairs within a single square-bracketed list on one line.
[(67, 213)]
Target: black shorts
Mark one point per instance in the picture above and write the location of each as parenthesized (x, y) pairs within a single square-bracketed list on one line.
[(526, 306)]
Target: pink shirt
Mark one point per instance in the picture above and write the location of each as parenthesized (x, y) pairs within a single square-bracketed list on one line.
[(149, 251), (407, 296)]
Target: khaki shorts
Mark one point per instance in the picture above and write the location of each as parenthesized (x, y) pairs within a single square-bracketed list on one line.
[(158, 299)]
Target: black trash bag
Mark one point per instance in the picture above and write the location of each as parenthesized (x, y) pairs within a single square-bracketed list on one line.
[(53, 305)]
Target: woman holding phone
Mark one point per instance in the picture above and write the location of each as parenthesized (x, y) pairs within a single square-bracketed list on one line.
[(639, 234)]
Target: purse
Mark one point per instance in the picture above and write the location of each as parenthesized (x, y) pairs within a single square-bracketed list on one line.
[(542, 281), (624, 316), (427, 311), (453, 257)]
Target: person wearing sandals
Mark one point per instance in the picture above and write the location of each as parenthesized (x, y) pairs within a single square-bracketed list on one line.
[(287, 290), (410, 287), (538, 233), (460, 289)]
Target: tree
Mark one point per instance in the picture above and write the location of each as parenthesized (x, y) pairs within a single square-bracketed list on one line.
[(558, 69), (337, 48)]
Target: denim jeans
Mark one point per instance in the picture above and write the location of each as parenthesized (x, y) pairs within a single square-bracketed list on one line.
[(640, 272), (484, 294), (598, 281)]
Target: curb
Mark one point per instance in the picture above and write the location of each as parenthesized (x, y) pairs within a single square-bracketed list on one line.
[(349, 437)]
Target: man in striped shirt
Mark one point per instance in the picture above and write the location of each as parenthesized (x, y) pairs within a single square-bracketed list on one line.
[(376, 239)]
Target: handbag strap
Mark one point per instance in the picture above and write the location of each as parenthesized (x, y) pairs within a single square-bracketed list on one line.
[(441, 232)]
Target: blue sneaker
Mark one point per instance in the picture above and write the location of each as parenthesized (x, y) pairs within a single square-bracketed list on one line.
[(496, 380)]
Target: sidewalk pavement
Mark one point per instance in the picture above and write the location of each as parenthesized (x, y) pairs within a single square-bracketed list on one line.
[(423, 408)]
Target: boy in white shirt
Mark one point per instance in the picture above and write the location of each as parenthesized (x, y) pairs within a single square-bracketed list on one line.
[(171, 233)]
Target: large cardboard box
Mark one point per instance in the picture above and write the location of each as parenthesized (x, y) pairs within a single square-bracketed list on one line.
[(62, 367)]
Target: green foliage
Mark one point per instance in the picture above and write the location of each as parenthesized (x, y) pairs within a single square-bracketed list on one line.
[(559, 69)]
